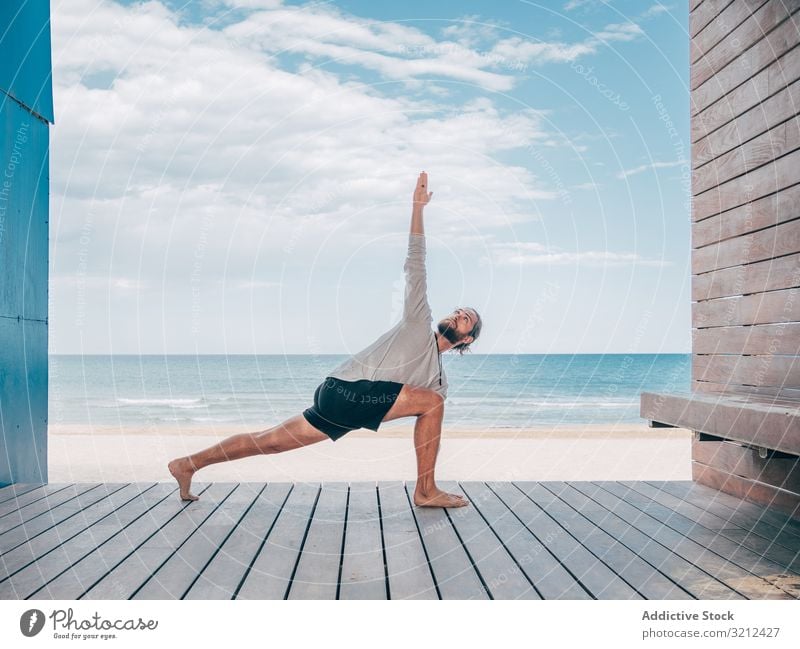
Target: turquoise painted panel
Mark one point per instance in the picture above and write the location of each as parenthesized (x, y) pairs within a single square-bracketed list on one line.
[(25, 66), (24, 181), (23, 401)]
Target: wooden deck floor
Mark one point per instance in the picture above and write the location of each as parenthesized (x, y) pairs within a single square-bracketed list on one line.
[(521, 540)]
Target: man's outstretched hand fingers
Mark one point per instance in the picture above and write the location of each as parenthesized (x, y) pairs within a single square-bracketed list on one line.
[(421, 193)]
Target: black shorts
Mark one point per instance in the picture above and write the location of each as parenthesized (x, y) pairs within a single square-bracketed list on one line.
[(341, 406)]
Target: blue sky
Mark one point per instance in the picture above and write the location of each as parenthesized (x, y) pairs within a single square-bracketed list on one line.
[(235, 176)]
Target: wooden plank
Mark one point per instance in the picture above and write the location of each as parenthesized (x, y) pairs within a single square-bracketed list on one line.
[(25, 543), (757, 571), (761, 392), (410, 576), (756, 215), (751, 490), (767, 179), (58, 515), (125, 578), (758, 246), (755, 74), (761, 276), (737, 417), (317, 574), (762, 149), (52, 563), (760, 308), (595, 575), (692, 492), (767, 369), (173, 578), (740, 26), (688, 580), (223, 575), (774, 110), (33, 504), (14, 491), (745, 541), (270, 575), (778, 533), (533, 556), (645, 578), (363, 572), (712, 577), (502, 575), (452, 568), (704, 13), (124, 541)]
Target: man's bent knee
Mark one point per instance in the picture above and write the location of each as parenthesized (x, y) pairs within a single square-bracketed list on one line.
[(415, 401)]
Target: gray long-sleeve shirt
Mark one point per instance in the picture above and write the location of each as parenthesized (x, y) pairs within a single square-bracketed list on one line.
[(407, 353)]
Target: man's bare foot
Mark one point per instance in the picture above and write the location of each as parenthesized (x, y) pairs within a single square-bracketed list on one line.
[(438, 498), (181, 469)]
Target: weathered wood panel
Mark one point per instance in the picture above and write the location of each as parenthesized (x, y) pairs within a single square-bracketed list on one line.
[(763, 149), (767, 275), (759, 308), (760, 118), (767, 244), (407, 565), (515, 540), (777, 470), (744, 569), (363, 574), (222, 576), (767, 179), (741, 25), (751, 490), (762, 213), (703, 13), (776, 339), (759, 371), (761, 71), (738, 417)]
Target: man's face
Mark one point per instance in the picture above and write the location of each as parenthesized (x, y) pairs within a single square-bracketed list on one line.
[(457, 325)]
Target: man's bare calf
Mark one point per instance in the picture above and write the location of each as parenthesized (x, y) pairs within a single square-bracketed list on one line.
[(292, 433), (428, 407)]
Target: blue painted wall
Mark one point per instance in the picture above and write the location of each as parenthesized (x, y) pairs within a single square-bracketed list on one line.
[(26, 109)]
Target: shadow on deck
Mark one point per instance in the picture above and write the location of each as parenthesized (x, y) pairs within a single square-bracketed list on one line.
[(517, 540)]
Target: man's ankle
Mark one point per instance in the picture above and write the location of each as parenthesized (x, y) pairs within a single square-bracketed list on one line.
[(425, 488)]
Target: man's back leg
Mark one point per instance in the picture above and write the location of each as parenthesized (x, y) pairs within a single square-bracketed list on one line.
[(291, 434)]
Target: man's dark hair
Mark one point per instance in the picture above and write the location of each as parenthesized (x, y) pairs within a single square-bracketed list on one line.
[(476, 331)]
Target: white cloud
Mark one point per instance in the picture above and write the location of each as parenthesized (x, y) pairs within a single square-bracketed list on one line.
[(531, 253), (652, 165)]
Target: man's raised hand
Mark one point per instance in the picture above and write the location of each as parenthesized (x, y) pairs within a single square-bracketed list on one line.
[(421, 194)]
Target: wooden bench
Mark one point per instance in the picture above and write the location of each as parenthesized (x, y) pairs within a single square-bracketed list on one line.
[(744, 444)]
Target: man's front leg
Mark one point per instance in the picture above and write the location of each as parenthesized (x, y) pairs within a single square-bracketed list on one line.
[(427, 434)]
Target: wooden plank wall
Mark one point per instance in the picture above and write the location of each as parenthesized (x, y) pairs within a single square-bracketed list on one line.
[(745, 132)]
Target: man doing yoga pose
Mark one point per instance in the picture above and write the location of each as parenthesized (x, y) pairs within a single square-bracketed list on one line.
[(398, 375)]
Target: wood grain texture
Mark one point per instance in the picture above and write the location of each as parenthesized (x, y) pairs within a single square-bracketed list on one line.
[(755, 339), (774, 110), (744, 461), (763, 149), (740, 26), (751, 77), (756, 215), (750, 419), (766, 179), (784, 239)]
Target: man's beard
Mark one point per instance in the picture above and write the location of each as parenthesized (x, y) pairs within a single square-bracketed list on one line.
[(446, 329)]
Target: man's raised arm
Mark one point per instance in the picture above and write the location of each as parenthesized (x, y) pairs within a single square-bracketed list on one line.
[(416, 299)]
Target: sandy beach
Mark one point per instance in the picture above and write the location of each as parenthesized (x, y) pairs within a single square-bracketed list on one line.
[(585, 452)]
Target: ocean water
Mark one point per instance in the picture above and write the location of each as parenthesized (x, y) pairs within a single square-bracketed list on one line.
[(490, 390)]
